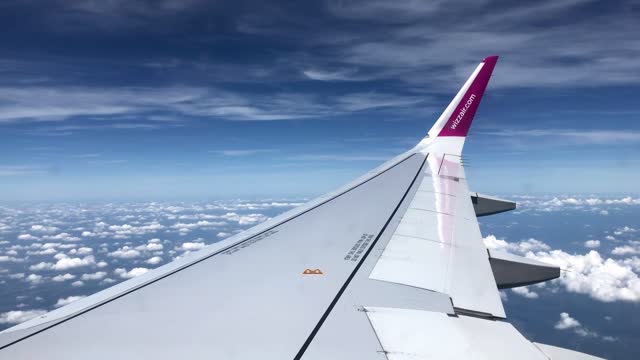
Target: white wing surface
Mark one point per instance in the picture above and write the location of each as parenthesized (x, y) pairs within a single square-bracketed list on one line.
[(390, 266)]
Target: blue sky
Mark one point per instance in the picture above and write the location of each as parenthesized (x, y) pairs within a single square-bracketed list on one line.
[(188, 99)]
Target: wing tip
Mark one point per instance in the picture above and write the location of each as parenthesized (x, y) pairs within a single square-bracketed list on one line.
[(461, 115), (491, 58)]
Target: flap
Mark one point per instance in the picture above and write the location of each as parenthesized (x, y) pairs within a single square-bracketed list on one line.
[(438, 246), (513, 271), (416, 334), (488, 205)]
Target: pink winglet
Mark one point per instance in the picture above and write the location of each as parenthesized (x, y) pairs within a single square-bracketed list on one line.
[(460, 121)]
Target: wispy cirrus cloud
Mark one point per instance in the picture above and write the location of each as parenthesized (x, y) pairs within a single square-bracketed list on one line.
[(577, 136), (18, 170), (241, 152), (327, 75), (411, 45), (337, 157), (414, 41), (122, 104)]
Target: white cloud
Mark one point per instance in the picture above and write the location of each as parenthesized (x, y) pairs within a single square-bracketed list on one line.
[(126, 230), (42, 252), (44, 229), (370, 100), (247, 219), (65, 263), (66, 301), (566, 322), (241, 205), (5, 258), (154, 260), (27, 237), (18, 316), (62, 237), (50, 245), (150, 246), (603, 279), (524, 291), (585, 332), (81, 251), (633, 262), (94, 276), (624, 230), (41, 266), (191, 246), (56, 103), (125, 252), (522, 247), (322, 75), (65, 277), (77, 283), (633, 249), (592, 244), (34, 279), (205, 224), (222, 234), (591, 204), (576, 136), (123, 273), (241, 152)]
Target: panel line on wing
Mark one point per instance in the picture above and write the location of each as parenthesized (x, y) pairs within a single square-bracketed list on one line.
[(315, 330)]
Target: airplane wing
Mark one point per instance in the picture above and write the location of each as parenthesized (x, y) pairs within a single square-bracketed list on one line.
[(390, 266)]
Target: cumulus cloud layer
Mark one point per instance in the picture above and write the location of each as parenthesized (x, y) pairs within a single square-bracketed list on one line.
[(600, 205), (79, 249)]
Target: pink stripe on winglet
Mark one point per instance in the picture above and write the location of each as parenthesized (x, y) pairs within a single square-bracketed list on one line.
[(460, 121)]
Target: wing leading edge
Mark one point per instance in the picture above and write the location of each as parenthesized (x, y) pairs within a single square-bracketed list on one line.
[(403, 274)]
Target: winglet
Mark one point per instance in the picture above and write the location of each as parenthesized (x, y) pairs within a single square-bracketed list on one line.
[(457, 117)]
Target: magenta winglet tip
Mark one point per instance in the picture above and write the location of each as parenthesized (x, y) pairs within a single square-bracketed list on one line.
[(460, 119), (490, 59)]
